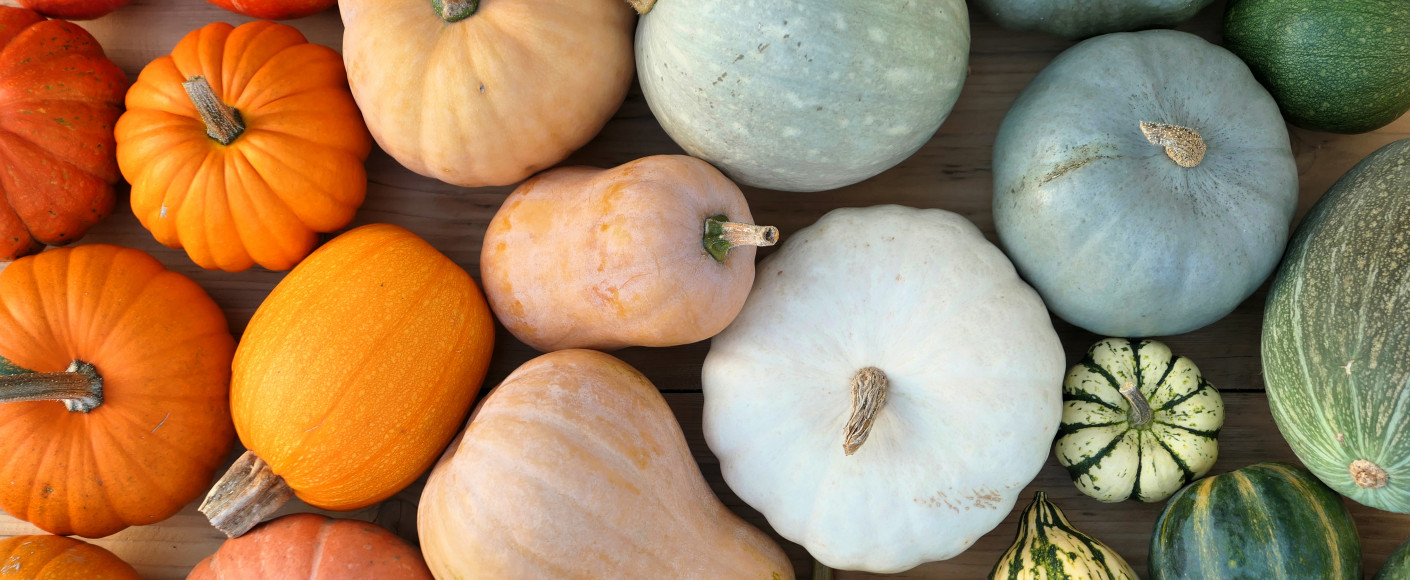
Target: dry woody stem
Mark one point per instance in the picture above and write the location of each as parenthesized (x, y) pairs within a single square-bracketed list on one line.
[(79, 387), (868, 397), (247, 493), (223, 123), (721, 235), (1182, 144), (1140, 408), (642, 6)]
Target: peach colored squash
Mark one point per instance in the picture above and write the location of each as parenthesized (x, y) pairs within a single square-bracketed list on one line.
[(314, 547), (574, 467), (581, 257)]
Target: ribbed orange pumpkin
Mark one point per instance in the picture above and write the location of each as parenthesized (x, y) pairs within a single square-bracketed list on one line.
[(59, 558), (313, 547), (574, 467), (242, 145), (59, 98), (352, 376), (158, 427)]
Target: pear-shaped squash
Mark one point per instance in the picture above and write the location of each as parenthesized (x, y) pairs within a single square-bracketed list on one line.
[(574, 467), (1047, 547)]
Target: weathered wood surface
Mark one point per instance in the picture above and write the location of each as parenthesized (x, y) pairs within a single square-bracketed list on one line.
[(952, 172)]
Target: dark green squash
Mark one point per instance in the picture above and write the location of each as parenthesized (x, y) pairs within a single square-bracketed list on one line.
[(1397, 566), (1336, 334), (1333, 65), (1268, 521)]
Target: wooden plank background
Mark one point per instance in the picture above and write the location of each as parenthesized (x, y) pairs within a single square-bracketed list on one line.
[(952, 172)]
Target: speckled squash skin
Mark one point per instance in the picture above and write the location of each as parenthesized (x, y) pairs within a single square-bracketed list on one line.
[(802, 95), (1083, 18), (1117, 237), (1397, 566), (1333, 65), (1047, 547), (1336, 334), (1267, 521)]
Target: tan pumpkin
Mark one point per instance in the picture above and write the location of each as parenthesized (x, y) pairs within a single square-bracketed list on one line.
[(656, 252), (486, 92), (574, 467)]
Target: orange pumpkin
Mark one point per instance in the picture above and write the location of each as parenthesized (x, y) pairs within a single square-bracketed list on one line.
[(60, 558), (60, 99), (574, 467), (352, 376), (313, 547), (486, 92), (140, 358), (656, 252), (242, 145)]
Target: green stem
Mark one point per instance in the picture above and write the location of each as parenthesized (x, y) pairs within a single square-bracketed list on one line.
[(721, 235), (223, 122), (80, 387), (1140, 408), (821, 572), (453, 11)]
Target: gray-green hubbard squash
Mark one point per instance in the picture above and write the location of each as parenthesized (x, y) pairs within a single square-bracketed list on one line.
[(1083, 18)]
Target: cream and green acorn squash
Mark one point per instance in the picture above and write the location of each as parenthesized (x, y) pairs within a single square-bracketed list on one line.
[(1138, 422), (1049, 548)]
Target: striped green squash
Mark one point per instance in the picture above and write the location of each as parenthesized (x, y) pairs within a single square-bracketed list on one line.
[(1138, 422), (1268, 521), (1049, 548), (1336, 334), (1397, 566)]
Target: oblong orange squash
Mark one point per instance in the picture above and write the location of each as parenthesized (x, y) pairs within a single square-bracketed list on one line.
[(656, 252), (60, 558), (574, 467), (140, 358), (313, 547), (352, 376)]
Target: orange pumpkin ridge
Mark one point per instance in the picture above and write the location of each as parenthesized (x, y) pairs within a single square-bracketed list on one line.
[(313, 547), (352, 376), (57, 557), (61, 98), (290, 164), (161, 349)]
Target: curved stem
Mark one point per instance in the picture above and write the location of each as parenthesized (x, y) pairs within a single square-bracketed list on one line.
[(1182, 144), (453, 11), (1140, 408), (223, 122), (869, 387), (642, 6), (247, 493), (721, 235), (80, 387)]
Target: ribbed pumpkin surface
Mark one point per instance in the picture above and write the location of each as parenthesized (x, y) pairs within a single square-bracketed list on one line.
[(314, 547), (59, 558), (1336, 334), (1269, 521)]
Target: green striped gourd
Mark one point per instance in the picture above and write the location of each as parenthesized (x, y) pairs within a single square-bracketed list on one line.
[(1336, 334), (1138, 422), (1268, 521), (1049, 548)]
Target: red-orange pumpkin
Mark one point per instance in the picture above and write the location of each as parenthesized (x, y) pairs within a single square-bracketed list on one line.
[(59, 558), (59, 98), (242, 145), (313, 547), (146, 441)]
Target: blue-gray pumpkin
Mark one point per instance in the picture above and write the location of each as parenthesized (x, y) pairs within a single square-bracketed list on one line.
[(1144, 183), (802, 95), (1083, 18)]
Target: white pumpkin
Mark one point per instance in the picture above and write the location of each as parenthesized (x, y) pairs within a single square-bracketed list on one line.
[(956, 422)]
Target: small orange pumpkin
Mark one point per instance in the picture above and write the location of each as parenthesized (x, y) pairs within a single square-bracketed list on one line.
[(60, 558), (140, 358), (656, 252), (352, 376), (574, 467), (59, 98), (242, 145), (313, 547)]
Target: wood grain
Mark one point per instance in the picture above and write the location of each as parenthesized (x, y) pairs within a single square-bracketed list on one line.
[(952, 172)]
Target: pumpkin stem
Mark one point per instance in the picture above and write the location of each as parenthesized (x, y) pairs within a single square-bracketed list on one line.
[(79, 386), (1182, 144), (1140, 408), (223, 122), (1368, 475), (722, 234), (642, 6), (868, 396), (821, 572), (247, 493), (453, 11)]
